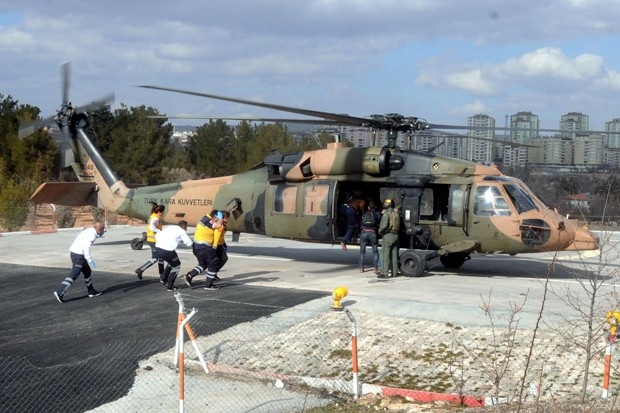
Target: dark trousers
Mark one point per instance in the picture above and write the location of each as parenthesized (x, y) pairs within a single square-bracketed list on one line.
[(172, 268), (202, 255), (79, 266), (351, 218), (153, 260), (369, 238), (216, 258)]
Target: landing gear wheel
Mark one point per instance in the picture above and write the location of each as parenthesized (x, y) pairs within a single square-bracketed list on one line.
[(454, 260), (412, 264), (137, 244)]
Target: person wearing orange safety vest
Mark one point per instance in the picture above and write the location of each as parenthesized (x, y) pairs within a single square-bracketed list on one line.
[(153, 225), (210, 248)]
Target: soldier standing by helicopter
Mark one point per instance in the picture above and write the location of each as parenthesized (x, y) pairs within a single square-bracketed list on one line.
[(388, 229)]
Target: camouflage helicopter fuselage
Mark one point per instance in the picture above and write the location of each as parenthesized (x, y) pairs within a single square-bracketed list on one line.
[(448, 205)]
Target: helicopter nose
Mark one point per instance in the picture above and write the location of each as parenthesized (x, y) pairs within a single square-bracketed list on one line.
[(584, 240)]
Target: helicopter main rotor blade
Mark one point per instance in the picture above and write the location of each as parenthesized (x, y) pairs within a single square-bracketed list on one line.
[(345, 119), (390, 121), (500, 128), (249, 119), (30, 127), (65, 70), (96, 104), (478, 138)]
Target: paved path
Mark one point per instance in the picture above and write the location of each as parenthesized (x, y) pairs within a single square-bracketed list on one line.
[(267, 276)]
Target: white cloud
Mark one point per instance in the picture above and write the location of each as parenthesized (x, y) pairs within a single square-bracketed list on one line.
[(553, 63), (15, 41), (546, 68), (357, 56), (468, 109), (610, 81), (472, 81)]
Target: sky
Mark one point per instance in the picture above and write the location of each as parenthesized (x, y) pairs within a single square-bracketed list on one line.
[(440, 60)]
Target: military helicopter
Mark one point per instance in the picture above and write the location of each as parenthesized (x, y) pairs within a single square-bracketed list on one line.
[(451, 208)]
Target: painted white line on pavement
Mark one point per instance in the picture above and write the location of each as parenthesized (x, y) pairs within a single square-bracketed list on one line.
[(252, 257)]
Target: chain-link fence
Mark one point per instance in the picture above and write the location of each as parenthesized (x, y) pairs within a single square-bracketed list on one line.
[(297, 359)]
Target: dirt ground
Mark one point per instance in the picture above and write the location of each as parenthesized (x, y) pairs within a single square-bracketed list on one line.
[(43, 217)]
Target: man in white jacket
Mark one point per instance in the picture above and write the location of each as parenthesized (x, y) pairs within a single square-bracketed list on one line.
[(166, 242), (82, 261)]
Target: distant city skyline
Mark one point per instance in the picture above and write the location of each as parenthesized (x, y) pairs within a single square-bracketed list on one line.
[(572, 144)]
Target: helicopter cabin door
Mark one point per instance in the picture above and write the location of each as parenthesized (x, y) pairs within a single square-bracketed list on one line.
[(301, 210)]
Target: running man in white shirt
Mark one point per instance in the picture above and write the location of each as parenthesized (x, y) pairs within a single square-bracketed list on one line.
[(166, 242), (82, 261)]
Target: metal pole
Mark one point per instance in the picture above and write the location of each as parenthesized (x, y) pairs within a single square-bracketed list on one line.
[(607, 371), (190, 333), (356, 391), (179, 321), (612, 318), (54, 216), (182, 362), (192, 337)]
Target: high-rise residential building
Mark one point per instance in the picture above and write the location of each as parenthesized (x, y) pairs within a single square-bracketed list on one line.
[(572, 123), (588, 149), (479, 145), (612, 140), (524, 128), (612, 143)]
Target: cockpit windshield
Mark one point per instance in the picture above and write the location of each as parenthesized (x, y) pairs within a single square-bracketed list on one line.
[(530, 194), (520, 199), (491, 200)]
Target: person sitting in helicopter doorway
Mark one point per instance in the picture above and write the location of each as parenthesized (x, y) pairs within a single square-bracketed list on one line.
[(167, 241), (388, 229), (210, 248), (153, 225), (352, 210), (368, 235)]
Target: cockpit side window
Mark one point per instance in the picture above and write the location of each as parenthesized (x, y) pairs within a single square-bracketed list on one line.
[(532, 196), (521, 200), (489, 201)]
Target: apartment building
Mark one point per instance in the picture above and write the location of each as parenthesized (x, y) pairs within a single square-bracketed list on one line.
[(612, 143), (479, 143), (572, 123)]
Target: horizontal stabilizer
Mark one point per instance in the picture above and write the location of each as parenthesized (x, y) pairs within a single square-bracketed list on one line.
[(65, 193)]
